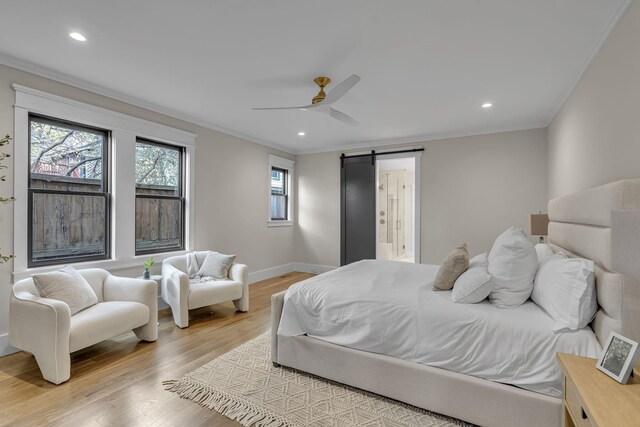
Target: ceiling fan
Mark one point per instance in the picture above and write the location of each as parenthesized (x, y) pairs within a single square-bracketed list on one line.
[(322, 102)]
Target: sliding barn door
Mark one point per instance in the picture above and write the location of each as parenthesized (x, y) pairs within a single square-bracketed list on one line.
[(358, 209)]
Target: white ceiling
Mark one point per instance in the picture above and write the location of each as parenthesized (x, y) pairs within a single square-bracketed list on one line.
[(426, 65)]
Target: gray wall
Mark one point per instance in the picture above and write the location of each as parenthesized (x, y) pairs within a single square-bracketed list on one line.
[(595, 137), (473, 188)]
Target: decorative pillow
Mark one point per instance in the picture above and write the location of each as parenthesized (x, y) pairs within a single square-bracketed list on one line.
[(565, 288), (512, 264), (68, 286), (473, 286), (216, 265), (192, 265), (478, 259), (544, 252), (451, 268)]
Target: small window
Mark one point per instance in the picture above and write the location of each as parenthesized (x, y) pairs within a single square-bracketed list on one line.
[(281, 192), (279, 195), (68, 193), (159, 197)]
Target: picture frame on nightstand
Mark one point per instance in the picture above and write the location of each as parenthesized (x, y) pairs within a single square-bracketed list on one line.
[(619, 356)]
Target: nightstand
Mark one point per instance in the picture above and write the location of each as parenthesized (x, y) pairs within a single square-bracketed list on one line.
[(592, 399)]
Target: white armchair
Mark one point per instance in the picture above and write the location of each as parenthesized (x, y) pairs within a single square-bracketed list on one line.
[(183, 296), (46, 328)]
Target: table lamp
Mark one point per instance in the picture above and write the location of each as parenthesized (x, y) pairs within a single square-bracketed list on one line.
[(538, 225)]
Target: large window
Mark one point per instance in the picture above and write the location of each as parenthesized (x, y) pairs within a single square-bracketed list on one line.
[(68, 192), (159, 197), (89, 190)]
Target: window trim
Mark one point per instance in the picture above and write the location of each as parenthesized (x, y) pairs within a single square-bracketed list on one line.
[(180, 197), (288, 166), (105, 193), (285, 192), (124, 131)]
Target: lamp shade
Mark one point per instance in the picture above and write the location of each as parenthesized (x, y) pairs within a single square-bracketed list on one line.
[(625, 242), (538, 224)]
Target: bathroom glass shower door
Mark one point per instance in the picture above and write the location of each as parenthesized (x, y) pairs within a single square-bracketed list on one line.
[(391, 215)]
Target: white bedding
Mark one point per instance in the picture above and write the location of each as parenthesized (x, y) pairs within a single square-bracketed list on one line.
[(390, 308)]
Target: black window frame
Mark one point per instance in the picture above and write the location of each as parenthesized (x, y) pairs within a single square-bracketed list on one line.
[(285, 192), (180, 197), (105, 193)]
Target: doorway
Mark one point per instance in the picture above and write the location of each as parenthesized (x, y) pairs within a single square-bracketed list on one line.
[(380, 206), (396, 209)]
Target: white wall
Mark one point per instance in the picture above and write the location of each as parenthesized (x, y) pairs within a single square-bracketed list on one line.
[(473, 188), (317, 236), (231, 188), (595, 137)]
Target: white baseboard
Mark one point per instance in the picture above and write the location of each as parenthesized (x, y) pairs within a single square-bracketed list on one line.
[(312, 268), (5, 347), (268, 273)]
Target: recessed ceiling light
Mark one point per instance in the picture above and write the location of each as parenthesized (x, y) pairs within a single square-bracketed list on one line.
[(301, 133), (487, 105), (78, 36)]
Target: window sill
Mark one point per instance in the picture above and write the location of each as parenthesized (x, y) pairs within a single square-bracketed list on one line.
[(108, 264), (279, 223)]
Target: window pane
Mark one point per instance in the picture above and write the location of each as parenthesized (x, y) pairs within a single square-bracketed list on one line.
[(277, 181), (157, 169), (158, 224), (67, 226), (64, 157), (278, 207)]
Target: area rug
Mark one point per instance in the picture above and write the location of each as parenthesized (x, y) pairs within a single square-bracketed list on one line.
[(244, 386)]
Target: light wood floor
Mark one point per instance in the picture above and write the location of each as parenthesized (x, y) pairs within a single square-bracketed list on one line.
[(119, 382)]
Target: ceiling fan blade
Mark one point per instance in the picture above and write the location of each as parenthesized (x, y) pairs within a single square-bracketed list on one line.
[(344, 118), (304, 107), (338, 91)]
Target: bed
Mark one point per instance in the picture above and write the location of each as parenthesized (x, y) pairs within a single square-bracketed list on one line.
[(581, 225)]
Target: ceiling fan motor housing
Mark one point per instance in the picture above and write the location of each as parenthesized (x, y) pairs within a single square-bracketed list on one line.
[(322, 82)]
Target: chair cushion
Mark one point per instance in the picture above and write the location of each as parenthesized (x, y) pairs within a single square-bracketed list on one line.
[(216, 265), (105, 320), (68, 286), (209, 293)]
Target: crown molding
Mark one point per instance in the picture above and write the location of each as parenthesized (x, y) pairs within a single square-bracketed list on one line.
[(50, 74), (422, 138), (594, 51)]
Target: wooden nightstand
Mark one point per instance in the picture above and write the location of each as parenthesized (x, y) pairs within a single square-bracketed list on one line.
[(592, 399)]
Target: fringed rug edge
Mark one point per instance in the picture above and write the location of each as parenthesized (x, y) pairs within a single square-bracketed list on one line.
[(232, 407)]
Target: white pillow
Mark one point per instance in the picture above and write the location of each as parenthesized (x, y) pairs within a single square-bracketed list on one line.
[(543, 251), (565, 288), (478, 259), (216, 265), (68, 286), (473, 286), (512, 264)]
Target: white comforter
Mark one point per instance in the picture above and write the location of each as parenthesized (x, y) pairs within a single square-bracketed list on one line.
[(390, 308)]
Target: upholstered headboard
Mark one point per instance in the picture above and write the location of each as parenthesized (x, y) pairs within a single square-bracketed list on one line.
[(581, 225)]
